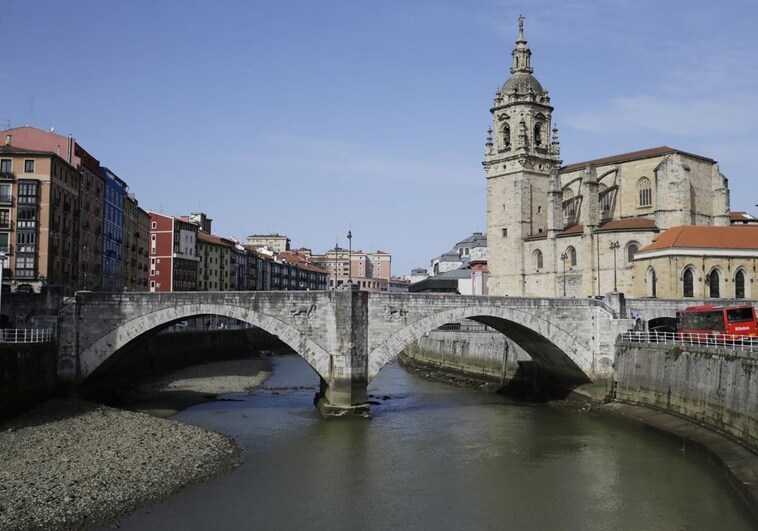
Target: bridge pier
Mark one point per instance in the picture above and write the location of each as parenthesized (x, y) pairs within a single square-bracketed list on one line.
[(345, 392)]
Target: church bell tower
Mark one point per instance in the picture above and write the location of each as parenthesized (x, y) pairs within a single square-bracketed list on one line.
[(519, 158)]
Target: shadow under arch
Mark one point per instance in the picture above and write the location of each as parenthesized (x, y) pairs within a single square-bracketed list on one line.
[(549, 345), (97, 353)]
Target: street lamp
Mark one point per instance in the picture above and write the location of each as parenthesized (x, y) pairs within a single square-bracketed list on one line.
[(614, 245), (350, 257), (564, 257), (336, 249)]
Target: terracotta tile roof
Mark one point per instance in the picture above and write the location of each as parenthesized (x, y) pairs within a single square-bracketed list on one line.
[(742, 217), (212, 238), (14, 150), (697, 237), (571, 230), (633, 155), (628, 224)]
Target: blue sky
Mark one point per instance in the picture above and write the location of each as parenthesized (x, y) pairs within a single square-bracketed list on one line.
[(310, 118)]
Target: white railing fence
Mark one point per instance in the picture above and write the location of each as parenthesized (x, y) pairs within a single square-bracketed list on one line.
[(26, 335), (674, 338)]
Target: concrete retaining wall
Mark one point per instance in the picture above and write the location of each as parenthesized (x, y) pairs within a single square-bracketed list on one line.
[(27, 376), (715, 387), (482, 355)]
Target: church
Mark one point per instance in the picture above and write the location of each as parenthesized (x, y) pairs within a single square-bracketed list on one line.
[(593, 227)]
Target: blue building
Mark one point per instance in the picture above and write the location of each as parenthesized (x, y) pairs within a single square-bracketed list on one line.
[(113, 230)]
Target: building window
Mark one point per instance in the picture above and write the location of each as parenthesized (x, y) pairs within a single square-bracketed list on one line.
[(652, 283), (571, 252), (569, 205), (538, 259), (739, 285), (605, 201), (27, 192), (688, 286), (28, 166), (631, 250), (5, 165), (645, 192), (713, 284), (538, 134), (507, 136)]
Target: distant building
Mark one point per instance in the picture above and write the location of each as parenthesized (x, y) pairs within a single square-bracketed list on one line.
[(214, 270), (461, 270), (370, 271), (273, 242), (39, 240), (110, 228), (173, 258), (136, 234), (113, 231)]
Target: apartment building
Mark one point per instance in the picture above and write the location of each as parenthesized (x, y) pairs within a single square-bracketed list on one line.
[(38, 220), (173, 254)]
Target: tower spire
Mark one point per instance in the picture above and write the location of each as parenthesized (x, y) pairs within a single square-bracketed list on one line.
[(521, 53)]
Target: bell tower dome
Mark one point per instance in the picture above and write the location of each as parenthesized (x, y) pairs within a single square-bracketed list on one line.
[(519, 156)]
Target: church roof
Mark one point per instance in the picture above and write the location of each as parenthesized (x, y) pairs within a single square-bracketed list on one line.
[(632, 155), (522, 83), (743, 237), (628, 224)]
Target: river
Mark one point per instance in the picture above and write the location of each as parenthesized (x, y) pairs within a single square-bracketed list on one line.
[(442, 458)]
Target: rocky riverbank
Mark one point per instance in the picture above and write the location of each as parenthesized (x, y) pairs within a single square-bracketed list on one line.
[(71, 464)]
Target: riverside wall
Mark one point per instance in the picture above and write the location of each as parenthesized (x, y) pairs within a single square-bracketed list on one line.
[(28, 376), (488, 356), (713, 386)]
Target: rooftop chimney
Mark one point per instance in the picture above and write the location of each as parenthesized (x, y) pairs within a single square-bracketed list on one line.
[(8, 140)]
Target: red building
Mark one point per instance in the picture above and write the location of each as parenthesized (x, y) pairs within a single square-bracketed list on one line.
[(173, 254)]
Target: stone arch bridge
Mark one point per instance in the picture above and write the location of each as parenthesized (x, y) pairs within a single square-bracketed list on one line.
[(346, 336)]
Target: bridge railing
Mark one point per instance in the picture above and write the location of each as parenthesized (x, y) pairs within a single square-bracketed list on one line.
[(674, 338), (26, 335)]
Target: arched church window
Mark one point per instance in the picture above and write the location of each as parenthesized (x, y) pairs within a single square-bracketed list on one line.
[(571, 252), (631, 250), (507, 136), (688, 284), (538, 259), (538, 134), (652, 283), (713, 285), (645, 192), (739, 285), (605, 200), (570, 205)]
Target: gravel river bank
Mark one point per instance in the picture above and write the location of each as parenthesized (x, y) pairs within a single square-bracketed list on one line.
[(71, 464)]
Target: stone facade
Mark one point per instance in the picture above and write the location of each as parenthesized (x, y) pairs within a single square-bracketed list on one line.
[(574, 230), (347, 336)]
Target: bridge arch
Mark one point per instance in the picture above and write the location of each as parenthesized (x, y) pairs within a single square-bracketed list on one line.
[(550, 345), (93, 355)]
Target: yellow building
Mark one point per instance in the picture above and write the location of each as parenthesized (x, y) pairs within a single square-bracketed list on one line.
[(699, 262)]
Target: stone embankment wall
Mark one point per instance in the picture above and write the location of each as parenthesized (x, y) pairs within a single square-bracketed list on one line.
[(487, 356), (27, 376), (716, 387)]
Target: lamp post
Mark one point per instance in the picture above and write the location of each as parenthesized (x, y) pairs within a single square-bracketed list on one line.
[(350, 258), (564, 256), (336, 250), (614, 245)]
